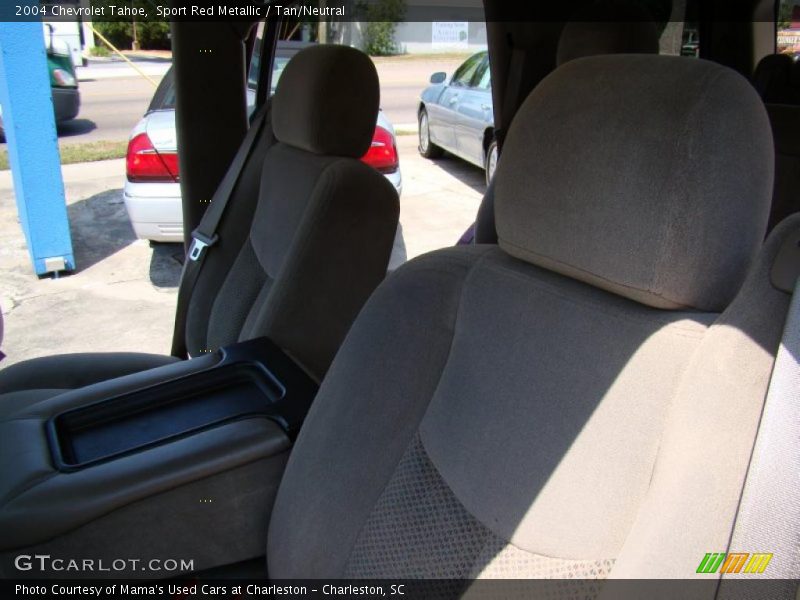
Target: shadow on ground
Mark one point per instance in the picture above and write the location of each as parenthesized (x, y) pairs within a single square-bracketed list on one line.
[(166, 264), (75, 127), (100, 227), (66, 129), (467, 173), (152, 59)]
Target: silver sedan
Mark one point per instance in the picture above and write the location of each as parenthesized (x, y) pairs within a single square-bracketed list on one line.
[(456, 115), (152, 191)]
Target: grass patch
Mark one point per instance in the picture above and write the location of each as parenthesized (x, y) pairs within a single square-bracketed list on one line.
[(423, 57), (100, 51), (79, 153)]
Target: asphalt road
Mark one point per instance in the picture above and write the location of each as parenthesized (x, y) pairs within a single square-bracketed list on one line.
[(109, 110), (399, 102), (110, 107)]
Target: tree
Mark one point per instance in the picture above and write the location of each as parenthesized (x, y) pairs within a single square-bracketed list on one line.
[(382, 17), (786, 12), (151, 34)]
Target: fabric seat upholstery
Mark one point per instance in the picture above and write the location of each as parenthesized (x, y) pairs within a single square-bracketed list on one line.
[(539, 408), (320, 237), (633, 34), (306, 238)]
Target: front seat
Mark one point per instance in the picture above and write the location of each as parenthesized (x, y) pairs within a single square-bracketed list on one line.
[(634, 33), (580, 401), (305, 240)]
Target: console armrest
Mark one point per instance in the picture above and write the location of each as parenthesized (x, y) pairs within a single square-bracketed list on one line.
[(109, 468), (253, 378)]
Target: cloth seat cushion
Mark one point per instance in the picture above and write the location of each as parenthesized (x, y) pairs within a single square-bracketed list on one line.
[(70, 371)]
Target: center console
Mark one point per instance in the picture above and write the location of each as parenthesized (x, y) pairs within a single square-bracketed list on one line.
[(182, 461)]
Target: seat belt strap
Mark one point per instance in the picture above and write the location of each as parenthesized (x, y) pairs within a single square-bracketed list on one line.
[(768, 519), (205, 235)]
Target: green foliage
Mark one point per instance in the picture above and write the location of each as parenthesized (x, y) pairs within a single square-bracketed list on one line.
[(119, 33), (100, 51), (785, 15), (80, 153), (382, 16), (379, 38), (152, 34)]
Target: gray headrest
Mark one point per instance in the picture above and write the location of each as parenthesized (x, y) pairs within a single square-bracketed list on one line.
[(612, 27), (648, 176), (327, 101)]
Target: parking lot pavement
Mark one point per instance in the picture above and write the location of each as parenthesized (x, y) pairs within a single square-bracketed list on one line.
[(440, 198), (122, 297), (114, 96), (111, 302), (403, 78)]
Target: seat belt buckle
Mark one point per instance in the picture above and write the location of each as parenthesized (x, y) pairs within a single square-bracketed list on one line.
[(199, 243)]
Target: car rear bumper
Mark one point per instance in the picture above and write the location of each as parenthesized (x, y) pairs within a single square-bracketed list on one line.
[(156, 214), (155, 210), (396, 179), (66, 103)]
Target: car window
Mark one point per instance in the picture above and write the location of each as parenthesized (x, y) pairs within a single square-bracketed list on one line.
[(255, 59), (788, 30), (284, 52), (483, 76), (682, 37), (164, 98), (277, 70), (466, 72)]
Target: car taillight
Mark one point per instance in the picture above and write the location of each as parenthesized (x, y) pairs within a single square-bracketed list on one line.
[(145, 163), (382, 154)]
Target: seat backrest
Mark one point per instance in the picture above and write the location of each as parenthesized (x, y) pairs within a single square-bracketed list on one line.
[(599, 33), (308, 233), (777, 79), (582, 396), (633, 34), (785, 121)]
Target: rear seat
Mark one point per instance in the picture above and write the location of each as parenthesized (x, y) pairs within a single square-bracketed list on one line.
[(777, 80), (785, 121)]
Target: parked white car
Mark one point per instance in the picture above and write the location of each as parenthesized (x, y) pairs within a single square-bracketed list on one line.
[(152, 190)]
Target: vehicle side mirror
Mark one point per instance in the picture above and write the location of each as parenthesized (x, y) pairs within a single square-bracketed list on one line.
[(438, 77)]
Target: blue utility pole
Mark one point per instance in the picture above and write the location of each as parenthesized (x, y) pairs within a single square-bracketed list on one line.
[(32, 142)]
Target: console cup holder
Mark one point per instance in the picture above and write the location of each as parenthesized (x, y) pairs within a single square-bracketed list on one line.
[(252, 379)]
